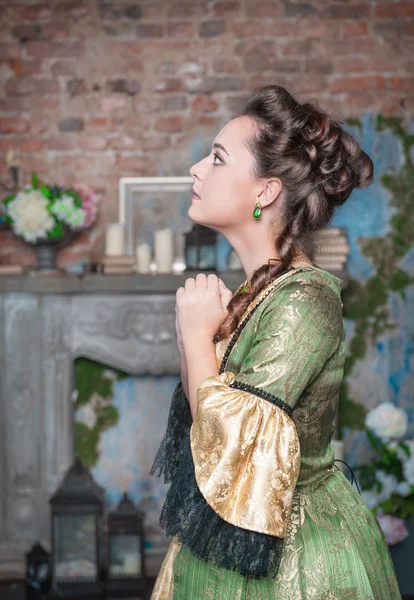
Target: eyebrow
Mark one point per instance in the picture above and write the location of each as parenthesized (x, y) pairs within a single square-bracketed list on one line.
[(222, 147)]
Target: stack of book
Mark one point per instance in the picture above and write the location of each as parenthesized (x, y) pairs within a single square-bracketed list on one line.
[(332, 249), (116, 265)]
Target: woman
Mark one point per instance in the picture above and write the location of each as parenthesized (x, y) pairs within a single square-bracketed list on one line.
[(256, 509)]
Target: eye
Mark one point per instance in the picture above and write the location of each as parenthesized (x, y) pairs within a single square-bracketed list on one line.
[(214, 158)]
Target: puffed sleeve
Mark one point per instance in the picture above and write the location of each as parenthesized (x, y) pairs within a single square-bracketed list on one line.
[(244, 442)]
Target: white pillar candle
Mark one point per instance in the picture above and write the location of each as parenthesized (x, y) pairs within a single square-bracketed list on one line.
[(338, 447), (164, 250), (115, 239), (143, 255)]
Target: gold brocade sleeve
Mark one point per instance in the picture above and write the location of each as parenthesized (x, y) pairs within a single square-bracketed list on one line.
[(246, 455)]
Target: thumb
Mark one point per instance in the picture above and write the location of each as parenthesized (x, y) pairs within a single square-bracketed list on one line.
[(225, 294)]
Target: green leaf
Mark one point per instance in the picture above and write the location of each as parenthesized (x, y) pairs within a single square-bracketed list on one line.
[(76, 199), (46, 192), (57, 231), (7, 200), (35, 181), (7, 219)]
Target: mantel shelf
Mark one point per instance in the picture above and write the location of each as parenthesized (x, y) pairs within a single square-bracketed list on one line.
[(115, 284)]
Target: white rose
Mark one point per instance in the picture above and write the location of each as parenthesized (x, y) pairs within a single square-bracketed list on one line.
[(401, 453), (371, 499), (389, 485), (31, 220), (387, 421), (404, 489), (408, 470)]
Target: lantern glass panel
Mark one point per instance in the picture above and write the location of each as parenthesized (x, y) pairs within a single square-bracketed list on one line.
[(125, 556), (75, 544)]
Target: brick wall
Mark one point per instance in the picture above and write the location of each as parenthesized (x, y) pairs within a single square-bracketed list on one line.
[(93, 90)]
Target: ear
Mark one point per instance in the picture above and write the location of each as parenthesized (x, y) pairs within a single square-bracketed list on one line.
[(269, 191)]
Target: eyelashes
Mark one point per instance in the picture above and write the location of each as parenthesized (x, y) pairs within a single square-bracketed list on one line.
[(216, 156)]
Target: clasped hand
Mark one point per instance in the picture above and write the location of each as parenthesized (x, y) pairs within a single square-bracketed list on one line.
[(201, 307)]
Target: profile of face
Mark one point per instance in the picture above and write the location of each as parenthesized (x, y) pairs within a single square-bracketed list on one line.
[(225, 183)]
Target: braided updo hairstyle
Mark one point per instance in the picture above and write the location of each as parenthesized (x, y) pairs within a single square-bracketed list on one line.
[(319, 164)]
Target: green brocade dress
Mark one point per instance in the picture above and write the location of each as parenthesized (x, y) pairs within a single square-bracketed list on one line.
[(263, 462)]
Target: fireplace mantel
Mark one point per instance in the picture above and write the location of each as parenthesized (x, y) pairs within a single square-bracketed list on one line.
[(127, 322)]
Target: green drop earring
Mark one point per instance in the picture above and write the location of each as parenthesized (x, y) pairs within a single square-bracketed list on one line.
[(257, 211)]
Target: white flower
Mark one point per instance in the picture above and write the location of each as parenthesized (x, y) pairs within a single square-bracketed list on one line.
[(404, 489), (401, 453), (408, 470), (389, 485), (87, 415), (371, 498), (31, 220), (66, 211), (387, 421)]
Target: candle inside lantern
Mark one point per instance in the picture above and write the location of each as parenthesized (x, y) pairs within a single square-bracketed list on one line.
[(143, 255), (164, 250), (114, 239)]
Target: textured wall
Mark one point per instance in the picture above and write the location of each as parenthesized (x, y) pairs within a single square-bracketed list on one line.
[(92, 90)]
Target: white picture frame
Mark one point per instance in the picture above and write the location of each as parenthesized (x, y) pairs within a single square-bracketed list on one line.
[(134, 194)]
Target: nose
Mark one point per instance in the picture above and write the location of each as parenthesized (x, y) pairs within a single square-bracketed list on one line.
[(196, 171)]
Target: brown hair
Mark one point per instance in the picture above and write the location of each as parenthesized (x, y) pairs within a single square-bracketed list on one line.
[(319, 164)]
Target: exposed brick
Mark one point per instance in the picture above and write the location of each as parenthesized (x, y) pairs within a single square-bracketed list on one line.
[(133, 11), (71, 124), (400, 84), (226, 7), (113, 103), (174, 103), (204, 104), (358, 84), (219, 84), (99, 123), (159, 142), (208, 120), (409, 28), (55, 49), (37, 12), (181, 29), (94, 143), (55, 30), (75, 87), (124, 86), (63, 67), (302, 9), (6, 144), (124, 142), (212, 28), (170, 84), (346, 10), (61, 143), (169, 124), (394, 9), (185, 10), (16, 104), (22, 68), (355, 28), (26, 85), (31, 145), (265, 9), (13, 125), (226, 65), (135, 165), (24, 33), (10, 51), (149, 30)]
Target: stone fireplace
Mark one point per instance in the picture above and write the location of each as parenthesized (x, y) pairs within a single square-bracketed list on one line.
[(125, 322)]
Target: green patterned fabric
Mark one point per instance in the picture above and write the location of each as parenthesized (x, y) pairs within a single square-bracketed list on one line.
[(293, 347)]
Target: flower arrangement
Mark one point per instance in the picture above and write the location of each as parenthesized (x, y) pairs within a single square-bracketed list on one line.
[(388, 480), (42, 212)]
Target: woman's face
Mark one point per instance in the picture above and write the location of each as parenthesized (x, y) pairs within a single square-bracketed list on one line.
[(223, 180)]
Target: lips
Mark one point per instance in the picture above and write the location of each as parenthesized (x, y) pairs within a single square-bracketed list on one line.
[(195, 193)]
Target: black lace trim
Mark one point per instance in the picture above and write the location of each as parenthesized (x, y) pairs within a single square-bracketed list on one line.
[(242, 324), (266, 395), (187, 516), (179, 422)]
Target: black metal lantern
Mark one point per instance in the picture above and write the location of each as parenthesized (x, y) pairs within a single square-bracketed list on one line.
[(77, 535), (125, 551), (201, 248), (37, 572)]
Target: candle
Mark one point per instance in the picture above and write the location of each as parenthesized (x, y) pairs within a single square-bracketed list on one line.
[(163, 250), (143, 255), (114, 240)]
